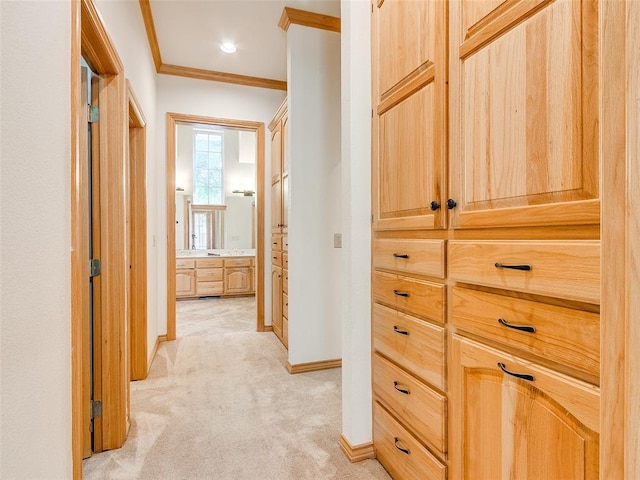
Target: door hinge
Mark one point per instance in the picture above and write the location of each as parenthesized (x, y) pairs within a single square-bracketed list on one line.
[(95, 268), (96, 408), (94, 114)]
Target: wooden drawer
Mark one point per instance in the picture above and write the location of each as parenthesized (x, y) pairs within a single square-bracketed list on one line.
[(209, 288), (419, 407), (285, 260), (209, 262), (209, 274), (420, 257), (276, 258), (185, 263), (559, 269), (475, 362), (400, 453), (285, 305), (419, 297), (285, 242), (563, 335), (276, 242), (415, 344), (238, 262)]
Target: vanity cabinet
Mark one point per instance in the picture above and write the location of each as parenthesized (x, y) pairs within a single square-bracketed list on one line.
[(486, 251), (214, 276)]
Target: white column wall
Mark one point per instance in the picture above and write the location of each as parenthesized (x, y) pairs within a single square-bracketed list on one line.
[(313, 58), (125, 26), (356, 207), (35, 235), (212, 99)]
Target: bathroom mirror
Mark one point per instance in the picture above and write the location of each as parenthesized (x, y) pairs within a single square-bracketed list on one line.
[(215, 187)]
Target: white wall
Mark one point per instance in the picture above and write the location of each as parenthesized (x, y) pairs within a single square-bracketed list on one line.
[(212, 99), (356, 221), (35, 226), (124, 24), (313, 58)]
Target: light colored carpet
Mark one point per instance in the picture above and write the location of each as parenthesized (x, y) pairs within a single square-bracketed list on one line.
[(219, 404)]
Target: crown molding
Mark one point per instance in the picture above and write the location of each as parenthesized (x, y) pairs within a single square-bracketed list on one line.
[(150, 27), (214, 76), (308, 19)]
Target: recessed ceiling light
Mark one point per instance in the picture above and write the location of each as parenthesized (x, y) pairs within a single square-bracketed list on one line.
[(228, 47)]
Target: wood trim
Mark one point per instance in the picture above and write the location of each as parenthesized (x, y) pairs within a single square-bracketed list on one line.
[(416, 81), (357, 453), (259, 128), (266, 328), (79, 249), (282, 109), (150, 28), (97, 48), (308, 19), (160, 339), (198, 73), (314, 366), (137, 239), (620, 321)]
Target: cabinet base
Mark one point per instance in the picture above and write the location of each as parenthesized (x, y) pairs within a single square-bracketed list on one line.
[(357, 453)]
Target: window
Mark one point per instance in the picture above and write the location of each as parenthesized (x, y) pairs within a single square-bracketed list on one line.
[(207, 167)]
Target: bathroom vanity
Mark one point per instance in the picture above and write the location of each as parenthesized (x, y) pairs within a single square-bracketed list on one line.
[(203, 274)]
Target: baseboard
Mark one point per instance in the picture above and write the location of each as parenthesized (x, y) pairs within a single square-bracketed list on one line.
[(159, 340), (357, 453), (267, 328), (313, 366)]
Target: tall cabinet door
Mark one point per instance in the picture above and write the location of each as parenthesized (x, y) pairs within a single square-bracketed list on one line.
[(276, 179), (409, 98), (524, 113)]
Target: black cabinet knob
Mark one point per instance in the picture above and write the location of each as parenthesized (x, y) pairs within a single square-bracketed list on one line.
[(451, 203), (434, 206)]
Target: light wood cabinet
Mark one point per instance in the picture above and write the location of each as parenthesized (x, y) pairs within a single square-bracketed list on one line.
[(541, 425), (486, 245), (204, 277), (279, 220)]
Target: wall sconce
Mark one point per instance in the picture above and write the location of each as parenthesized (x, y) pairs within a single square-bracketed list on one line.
[(246, 193)]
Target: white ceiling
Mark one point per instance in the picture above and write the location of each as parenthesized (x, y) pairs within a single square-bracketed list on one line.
[(190, 33)]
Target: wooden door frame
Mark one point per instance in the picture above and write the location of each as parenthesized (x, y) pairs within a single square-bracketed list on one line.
[(174, 119), (89, 40), (137, 238)]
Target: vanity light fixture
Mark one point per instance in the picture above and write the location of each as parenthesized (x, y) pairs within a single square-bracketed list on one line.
[(246, 193), (228, 47)]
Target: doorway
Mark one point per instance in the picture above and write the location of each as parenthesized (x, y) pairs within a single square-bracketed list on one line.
[(187, 216)]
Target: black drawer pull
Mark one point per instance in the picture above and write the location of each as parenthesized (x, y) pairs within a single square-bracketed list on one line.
[(406, 451), (526, 268), (400, 294), (522, 328), (524, 376), (401, 390), (401, 255), (401, 332)]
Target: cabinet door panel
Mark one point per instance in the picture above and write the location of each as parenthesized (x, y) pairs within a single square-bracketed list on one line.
[(406, 166), (524, 131), (185, 282), (505, 427), (276, 207), (276, 300), (400, 50), (237, 280), (276, 153)]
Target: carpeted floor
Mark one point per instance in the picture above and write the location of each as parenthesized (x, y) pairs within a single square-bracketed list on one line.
[(219, 404)]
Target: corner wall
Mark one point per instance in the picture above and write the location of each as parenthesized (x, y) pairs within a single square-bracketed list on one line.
[(35, 235), (356, 204), (315, 214)]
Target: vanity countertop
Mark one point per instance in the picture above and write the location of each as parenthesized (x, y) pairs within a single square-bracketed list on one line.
[(214, 254)]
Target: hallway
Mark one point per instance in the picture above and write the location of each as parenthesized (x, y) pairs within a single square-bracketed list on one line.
[(219, 404)]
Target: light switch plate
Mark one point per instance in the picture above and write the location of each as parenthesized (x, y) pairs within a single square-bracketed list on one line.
[(337, 240)]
